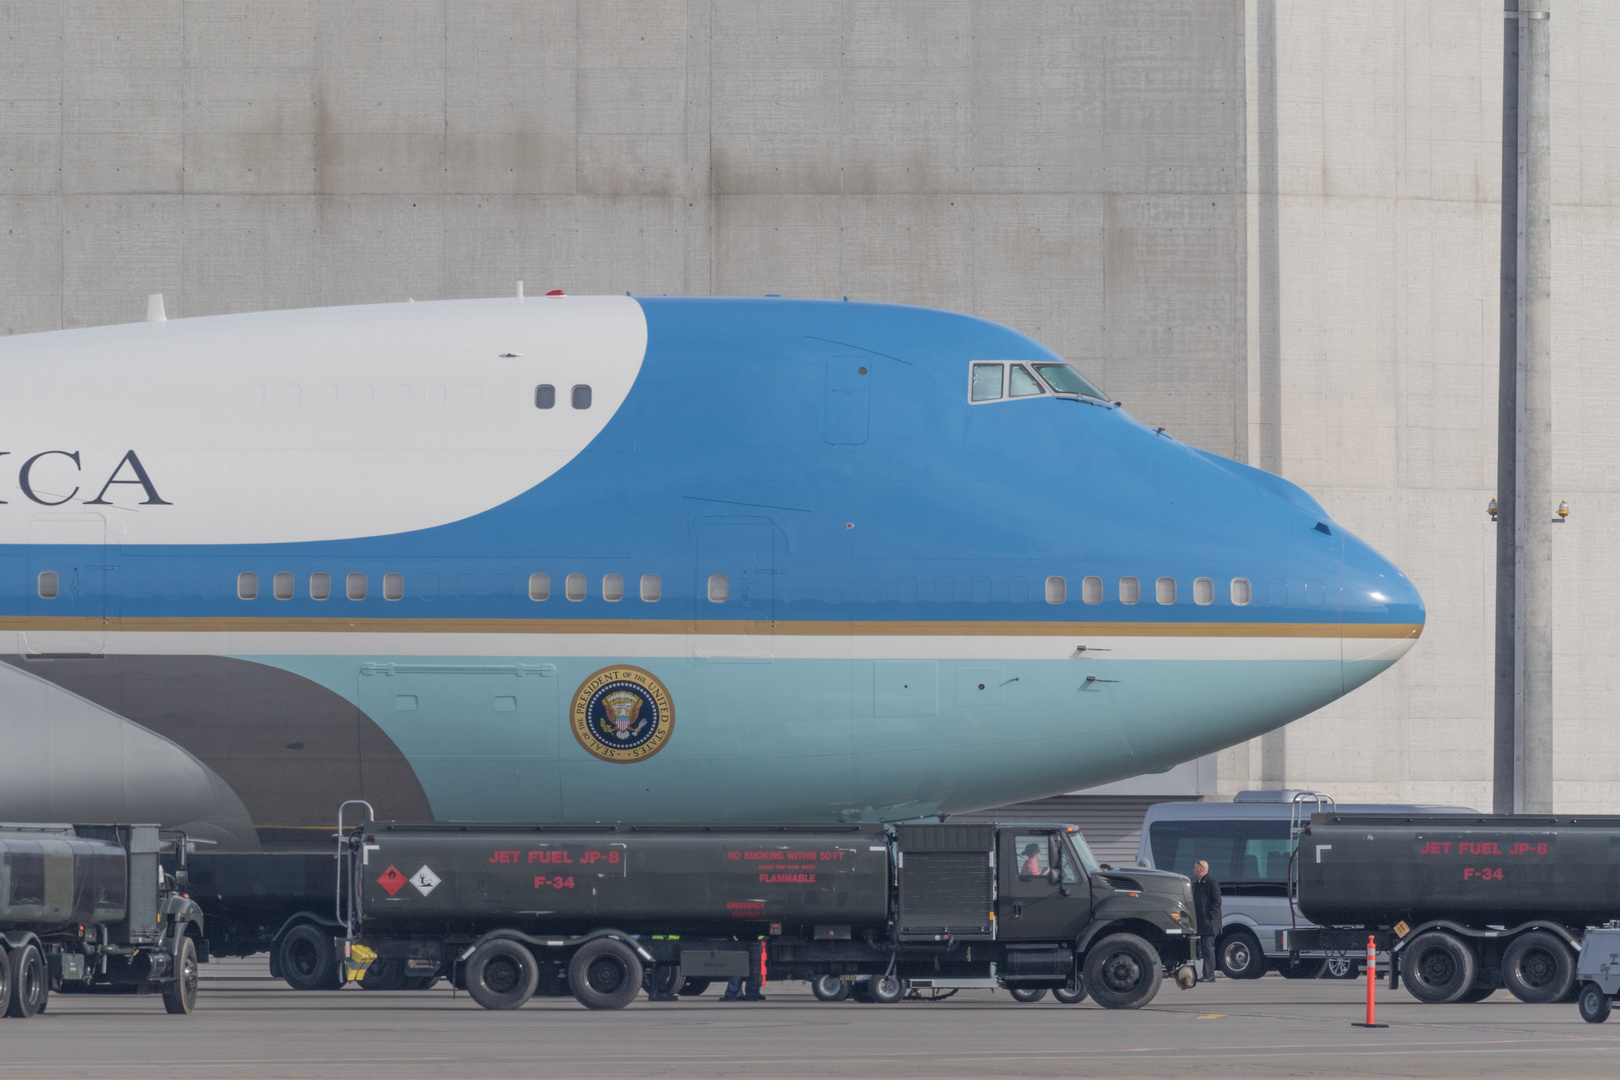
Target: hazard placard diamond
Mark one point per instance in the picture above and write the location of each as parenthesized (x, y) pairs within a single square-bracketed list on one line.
[(391, 881), (425, 880)]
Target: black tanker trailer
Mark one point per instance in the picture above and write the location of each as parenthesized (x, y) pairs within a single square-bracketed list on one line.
[(1466, 905), (512, 910), (88, 908)]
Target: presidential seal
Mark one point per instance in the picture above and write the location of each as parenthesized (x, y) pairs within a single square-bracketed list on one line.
[(622, 713)]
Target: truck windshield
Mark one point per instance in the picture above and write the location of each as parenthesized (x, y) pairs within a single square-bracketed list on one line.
[(1237, 850), (1077, 844), (1066, 380)]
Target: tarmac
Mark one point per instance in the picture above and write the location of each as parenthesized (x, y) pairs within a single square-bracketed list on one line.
[(249, 1026)]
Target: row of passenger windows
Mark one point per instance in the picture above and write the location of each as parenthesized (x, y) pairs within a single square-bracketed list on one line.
[(718, 588), (1164, 590), (545, 396)]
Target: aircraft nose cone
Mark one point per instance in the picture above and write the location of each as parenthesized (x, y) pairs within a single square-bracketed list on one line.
[(1383, 612)]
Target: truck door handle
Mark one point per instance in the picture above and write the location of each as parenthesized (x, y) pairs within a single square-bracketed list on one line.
[(1018, 911)]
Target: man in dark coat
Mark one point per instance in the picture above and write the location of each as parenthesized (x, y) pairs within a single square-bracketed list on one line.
[(1207, 909)]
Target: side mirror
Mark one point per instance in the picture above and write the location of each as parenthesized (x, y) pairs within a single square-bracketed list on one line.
[(1054, 875)]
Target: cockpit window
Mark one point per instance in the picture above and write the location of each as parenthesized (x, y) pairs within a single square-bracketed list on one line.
[(986, 382), (1020, 383), (1065, 380)]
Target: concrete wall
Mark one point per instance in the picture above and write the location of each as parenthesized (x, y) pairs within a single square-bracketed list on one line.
[(1385, 199), (1072, 169)]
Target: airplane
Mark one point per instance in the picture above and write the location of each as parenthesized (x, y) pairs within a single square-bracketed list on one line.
[(629, 558)]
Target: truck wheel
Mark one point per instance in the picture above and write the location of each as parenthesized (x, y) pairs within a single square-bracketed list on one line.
[(887, 989), (1027, 995), (28, 986), (1239, 956), (385, 974), (1439, 967), (829, 988), (604, 974), (694, 987), (661, 981), (1477, 993), (1074, 993), (1538, 968), (1594, 1004), (5, 977), (180, 996), (309, 960), (1123, 972), (501, 974), (1301, 969)]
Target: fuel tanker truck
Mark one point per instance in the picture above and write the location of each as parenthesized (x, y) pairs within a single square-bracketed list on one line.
[(509, 911), (1465, 905), (89, 908)]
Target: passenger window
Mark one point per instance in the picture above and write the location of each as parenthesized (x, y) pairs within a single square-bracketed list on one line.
[(320, 586), (1203, 591), (354, 587), (719, 588), (1130, 590), (539, 586), (652, 588), (574, 586), (1057, 590), (613, 587), (582, 397), (1164, 590), (1034, 858), (281, 586), (545, 396), (1091, 590), (393, 586), (247, 585), (49, 585), (1241, 591), (986, 382), (1020, 383)]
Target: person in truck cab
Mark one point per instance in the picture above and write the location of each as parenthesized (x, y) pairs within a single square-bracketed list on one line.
[(1207, 907), (1032, 862)]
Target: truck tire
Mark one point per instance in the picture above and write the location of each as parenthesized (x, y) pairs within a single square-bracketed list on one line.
[(887, 989), (829, 988), (1123, 971), (1239, 956), (662, 981), (1027, 995), (5, 978), (1538, 968), (309, 959), (1477, 993), (1302, 969), (1594, 1004), (1074, 993), (180, 996), (694, 987), (1438, 967), (384, 974), (29, 986), (604, 974), (502, 974)]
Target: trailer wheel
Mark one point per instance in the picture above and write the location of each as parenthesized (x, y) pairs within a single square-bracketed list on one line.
[(887, 989), (1027, 995), (1074, 993), (604, 974), (309, 960), (1537, 968), (1439, 967), (180, 996), (829, 988), (1123, 971), (662, 981), (29, 987), (1594, 1004), (694, 987), (501, 974), (1239, 956)]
